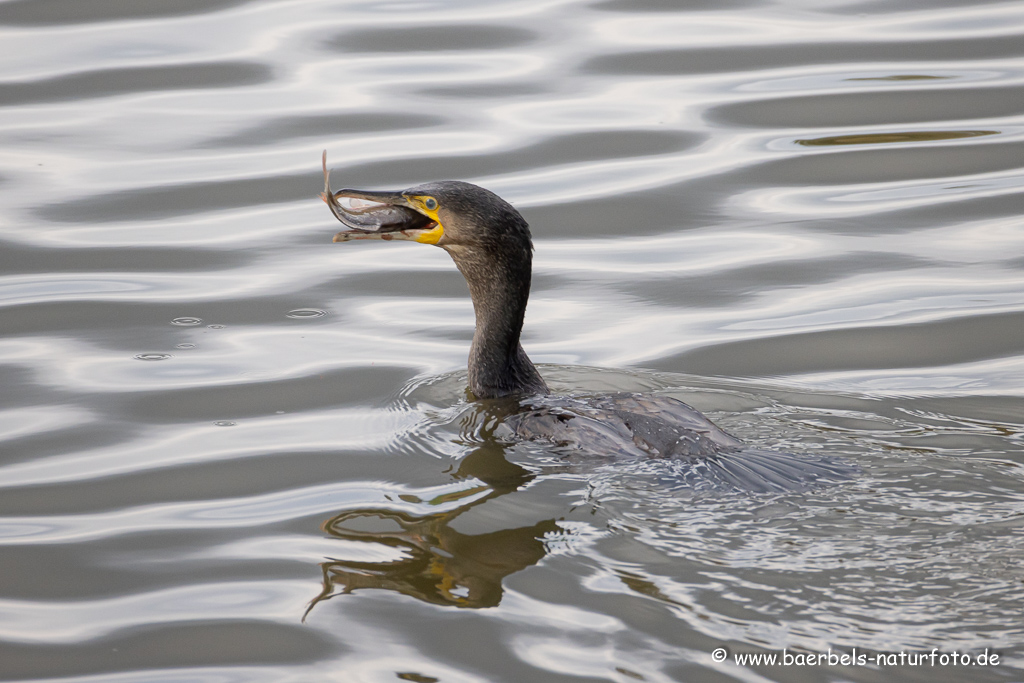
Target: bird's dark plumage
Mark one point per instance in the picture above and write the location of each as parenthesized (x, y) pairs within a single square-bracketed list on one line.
[(491, 245)]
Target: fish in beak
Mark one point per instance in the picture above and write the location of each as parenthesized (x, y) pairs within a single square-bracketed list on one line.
[(379, 215)]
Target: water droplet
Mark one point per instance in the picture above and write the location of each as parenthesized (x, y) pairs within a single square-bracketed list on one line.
[(186, 345), (186, 320), (225, 423), (216, 327), (302, 313), (152, 356)]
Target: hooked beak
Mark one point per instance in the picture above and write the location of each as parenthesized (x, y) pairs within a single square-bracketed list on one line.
[(378, 215)]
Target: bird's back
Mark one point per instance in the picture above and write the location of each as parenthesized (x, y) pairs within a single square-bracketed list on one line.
[(628, 425)]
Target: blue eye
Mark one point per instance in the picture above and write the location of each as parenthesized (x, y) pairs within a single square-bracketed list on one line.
[(430, 203)]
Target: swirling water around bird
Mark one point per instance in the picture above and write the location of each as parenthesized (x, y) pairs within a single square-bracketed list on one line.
[(802, 219)]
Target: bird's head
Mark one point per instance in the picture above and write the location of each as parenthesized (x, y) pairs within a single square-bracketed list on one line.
[(449, 213)]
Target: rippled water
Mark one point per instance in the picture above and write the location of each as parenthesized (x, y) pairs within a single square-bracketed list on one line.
[(233, 451)]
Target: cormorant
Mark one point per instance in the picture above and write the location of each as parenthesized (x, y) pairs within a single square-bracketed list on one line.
[(491, 245)]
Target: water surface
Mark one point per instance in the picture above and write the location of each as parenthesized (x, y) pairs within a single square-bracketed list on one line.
[(233, 451)]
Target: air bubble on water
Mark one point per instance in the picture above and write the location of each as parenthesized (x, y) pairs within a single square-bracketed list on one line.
[(304, 313)]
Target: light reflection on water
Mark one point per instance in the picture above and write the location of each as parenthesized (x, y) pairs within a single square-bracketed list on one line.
[(802, 221)]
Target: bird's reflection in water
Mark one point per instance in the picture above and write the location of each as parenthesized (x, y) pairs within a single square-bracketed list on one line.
[(438, 564)]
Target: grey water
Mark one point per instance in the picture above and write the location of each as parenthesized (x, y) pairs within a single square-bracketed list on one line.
[(231, 450)]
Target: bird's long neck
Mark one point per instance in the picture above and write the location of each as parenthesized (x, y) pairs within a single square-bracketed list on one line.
[(500, 287)]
